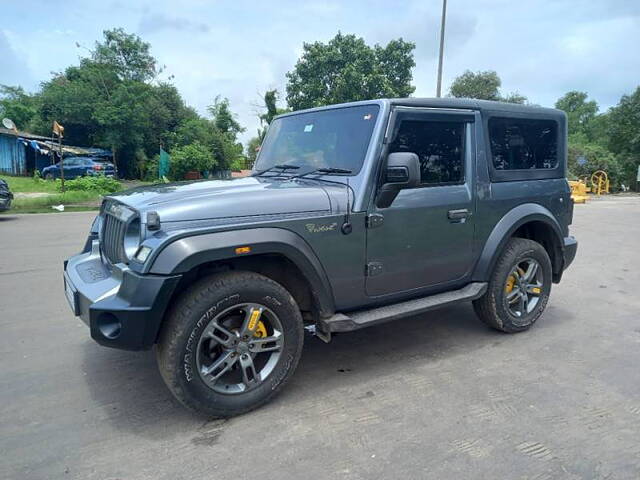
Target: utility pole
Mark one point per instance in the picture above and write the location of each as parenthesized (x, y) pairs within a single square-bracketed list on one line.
[(444, 15), (59, 131), (61, 161)]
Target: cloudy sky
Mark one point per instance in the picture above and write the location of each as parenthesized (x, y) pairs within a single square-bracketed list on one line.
[(241, 48)]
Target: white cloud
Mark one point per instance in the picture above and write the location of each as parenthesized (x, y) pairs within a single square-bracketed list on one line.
[(241, 48)]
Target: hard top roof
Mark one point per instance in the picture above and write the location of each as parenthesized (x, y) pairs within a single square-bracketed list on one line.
[(447, 102), (472, 103)]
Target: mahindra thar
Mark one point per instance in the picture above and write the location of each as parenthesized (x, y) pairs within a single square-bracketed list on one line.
[(355, 214)]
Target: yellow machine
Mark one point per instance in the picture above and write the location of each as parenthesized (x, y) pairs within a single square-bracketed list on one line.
[(578, 191), (599, 182)]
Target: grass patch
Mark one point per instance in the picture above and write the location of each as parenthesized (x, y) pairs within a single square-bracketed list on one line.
[(74, 208), (30, 184), (44, 204), (83, 193)]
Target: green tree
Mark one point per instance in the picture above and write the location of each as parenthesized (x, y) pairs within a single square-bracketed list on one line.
[(127, 55), (223, 118), (225, 147), (112, 100), (253, 147), (271, 110), (580, 113), (191, 157), (346, 69), (596, 157), (271, 107), (624, 135), (483, 86), (18, 105)]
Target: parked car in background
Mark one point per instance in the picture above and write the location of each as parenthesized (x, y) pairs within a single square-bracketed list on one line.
[(80, 166), (5, 196)]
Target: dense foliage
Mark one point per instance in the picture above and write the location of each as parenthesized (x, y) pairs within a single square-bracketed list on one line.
[(346, 69), (99, 184), (484, 86), (607, 141), (192, 157), (113, 99)]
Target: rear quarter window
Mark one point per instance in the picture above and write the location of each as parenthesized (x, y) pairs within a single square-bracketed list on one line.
[(523, 144)]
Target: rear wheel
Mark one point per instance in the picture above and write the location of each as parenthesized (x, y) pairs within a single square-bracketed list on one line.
[(519, 288), (49, 176), (230, 343)]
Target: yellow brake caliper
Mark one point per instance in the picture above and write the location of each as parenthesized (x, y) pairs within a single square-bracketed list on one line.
[(261, 330), (511, 281)]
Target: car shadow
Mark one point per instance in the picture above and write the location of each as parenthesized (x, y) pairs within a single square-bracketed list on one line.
[(129, 389), (6, 217)]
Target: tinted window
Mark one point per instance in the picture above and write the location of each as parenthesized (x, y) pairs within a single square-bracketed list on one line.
[(336, 138), (439, 146), (518, 144)]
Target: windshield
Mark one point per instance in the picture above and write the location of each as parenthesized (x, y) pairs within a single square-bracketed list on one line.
[(336, 138)]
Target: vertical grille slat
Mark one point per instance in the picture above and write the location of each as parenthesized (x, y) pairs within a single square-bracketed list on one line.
[(113, 238)]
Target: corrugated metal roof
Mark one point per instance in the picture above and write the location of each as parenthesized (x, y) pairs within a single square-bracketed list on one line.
[(17, 133)]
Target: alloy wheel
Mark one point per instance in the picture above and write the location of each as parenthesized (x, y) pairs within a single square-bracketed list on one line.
[(523, 288), (239, 348)]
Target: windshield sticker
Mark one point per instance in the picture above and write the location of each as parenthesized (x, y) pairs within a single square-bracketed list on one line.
[(368, 116), (308, 128)]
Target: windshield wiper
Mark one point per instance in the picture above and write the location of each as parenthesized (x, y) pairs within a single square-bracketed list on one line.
[(344, 171), (284, 168)]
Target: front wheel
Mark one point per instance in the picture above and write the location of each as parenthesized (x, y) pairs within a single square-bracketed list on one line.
[(49, 176), (519, 287), (230, 343)]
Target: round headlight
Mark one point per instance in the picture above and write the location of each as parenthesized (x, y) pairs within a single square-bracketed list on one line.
[(132, 238)]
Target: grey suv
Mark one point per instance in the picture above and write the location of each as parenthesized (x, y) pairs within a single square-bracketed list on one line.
[(355, 214)]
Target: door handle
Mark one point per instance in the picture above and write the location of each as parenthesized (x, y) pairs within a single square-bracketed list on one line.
[(460, 214)]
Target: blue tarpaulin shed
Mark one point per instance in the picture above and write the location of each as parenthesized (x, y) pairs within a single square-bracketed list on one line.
[(21, 153), (13, 158)]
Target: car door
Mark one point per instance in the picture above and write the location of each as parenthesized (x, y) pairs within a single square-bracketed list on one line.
[(73, 167), (425, 237)]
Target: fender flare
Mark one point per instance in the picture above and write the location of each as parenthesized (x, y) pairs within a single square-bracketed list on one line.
[(183, 254), (504, 229)]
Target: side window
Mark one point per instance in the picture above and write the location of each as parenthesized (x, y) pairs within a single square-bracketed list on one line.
[(521, 144), (439, 146)]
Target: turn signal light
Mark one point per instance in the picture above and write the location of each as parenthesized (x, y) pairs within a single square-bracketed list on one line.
[(241, 250)]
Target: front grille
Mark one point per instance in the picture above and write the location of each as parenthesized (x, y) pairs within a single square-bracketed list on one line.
[(116, 219), (112, 241)]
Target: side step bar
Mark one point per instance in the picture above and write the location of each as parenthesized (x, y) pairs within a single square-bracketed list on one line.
[(341, 322)]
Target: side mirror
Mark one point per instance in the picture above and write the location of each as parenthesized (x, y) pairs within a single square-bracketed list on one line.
[(402, 171)]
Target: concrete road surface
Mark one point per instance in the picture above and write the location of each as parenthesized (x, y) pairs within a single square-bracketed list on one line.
[(438, 396)]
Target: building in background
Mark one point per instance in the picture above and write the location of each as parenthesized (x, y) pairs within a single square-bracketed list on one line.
[(23, 153)]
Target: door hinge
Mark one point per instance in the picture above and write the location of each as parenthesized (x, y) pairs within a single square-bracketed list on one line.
[(373, 268), (375, 220)]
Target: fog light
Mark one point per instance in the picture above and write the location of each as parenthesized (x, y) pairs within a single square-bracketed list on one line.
[(143, 254), (109, 326)]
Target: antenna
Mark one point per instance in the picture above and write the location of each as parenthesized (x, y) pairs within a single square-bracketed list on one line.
[(347, 228), (8, 123)]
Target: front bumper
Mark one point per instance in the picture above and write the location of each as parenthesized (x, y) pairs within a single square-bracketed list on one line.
[(5, 202), (122, 308)]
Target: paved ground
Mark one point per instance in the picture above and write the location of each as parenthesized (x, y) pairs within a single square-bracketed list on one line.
[(436, 396)]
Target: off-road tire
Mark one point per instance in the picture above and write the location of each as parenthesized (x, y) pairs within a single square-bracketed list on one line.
[(490, 307), (186, 320)]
